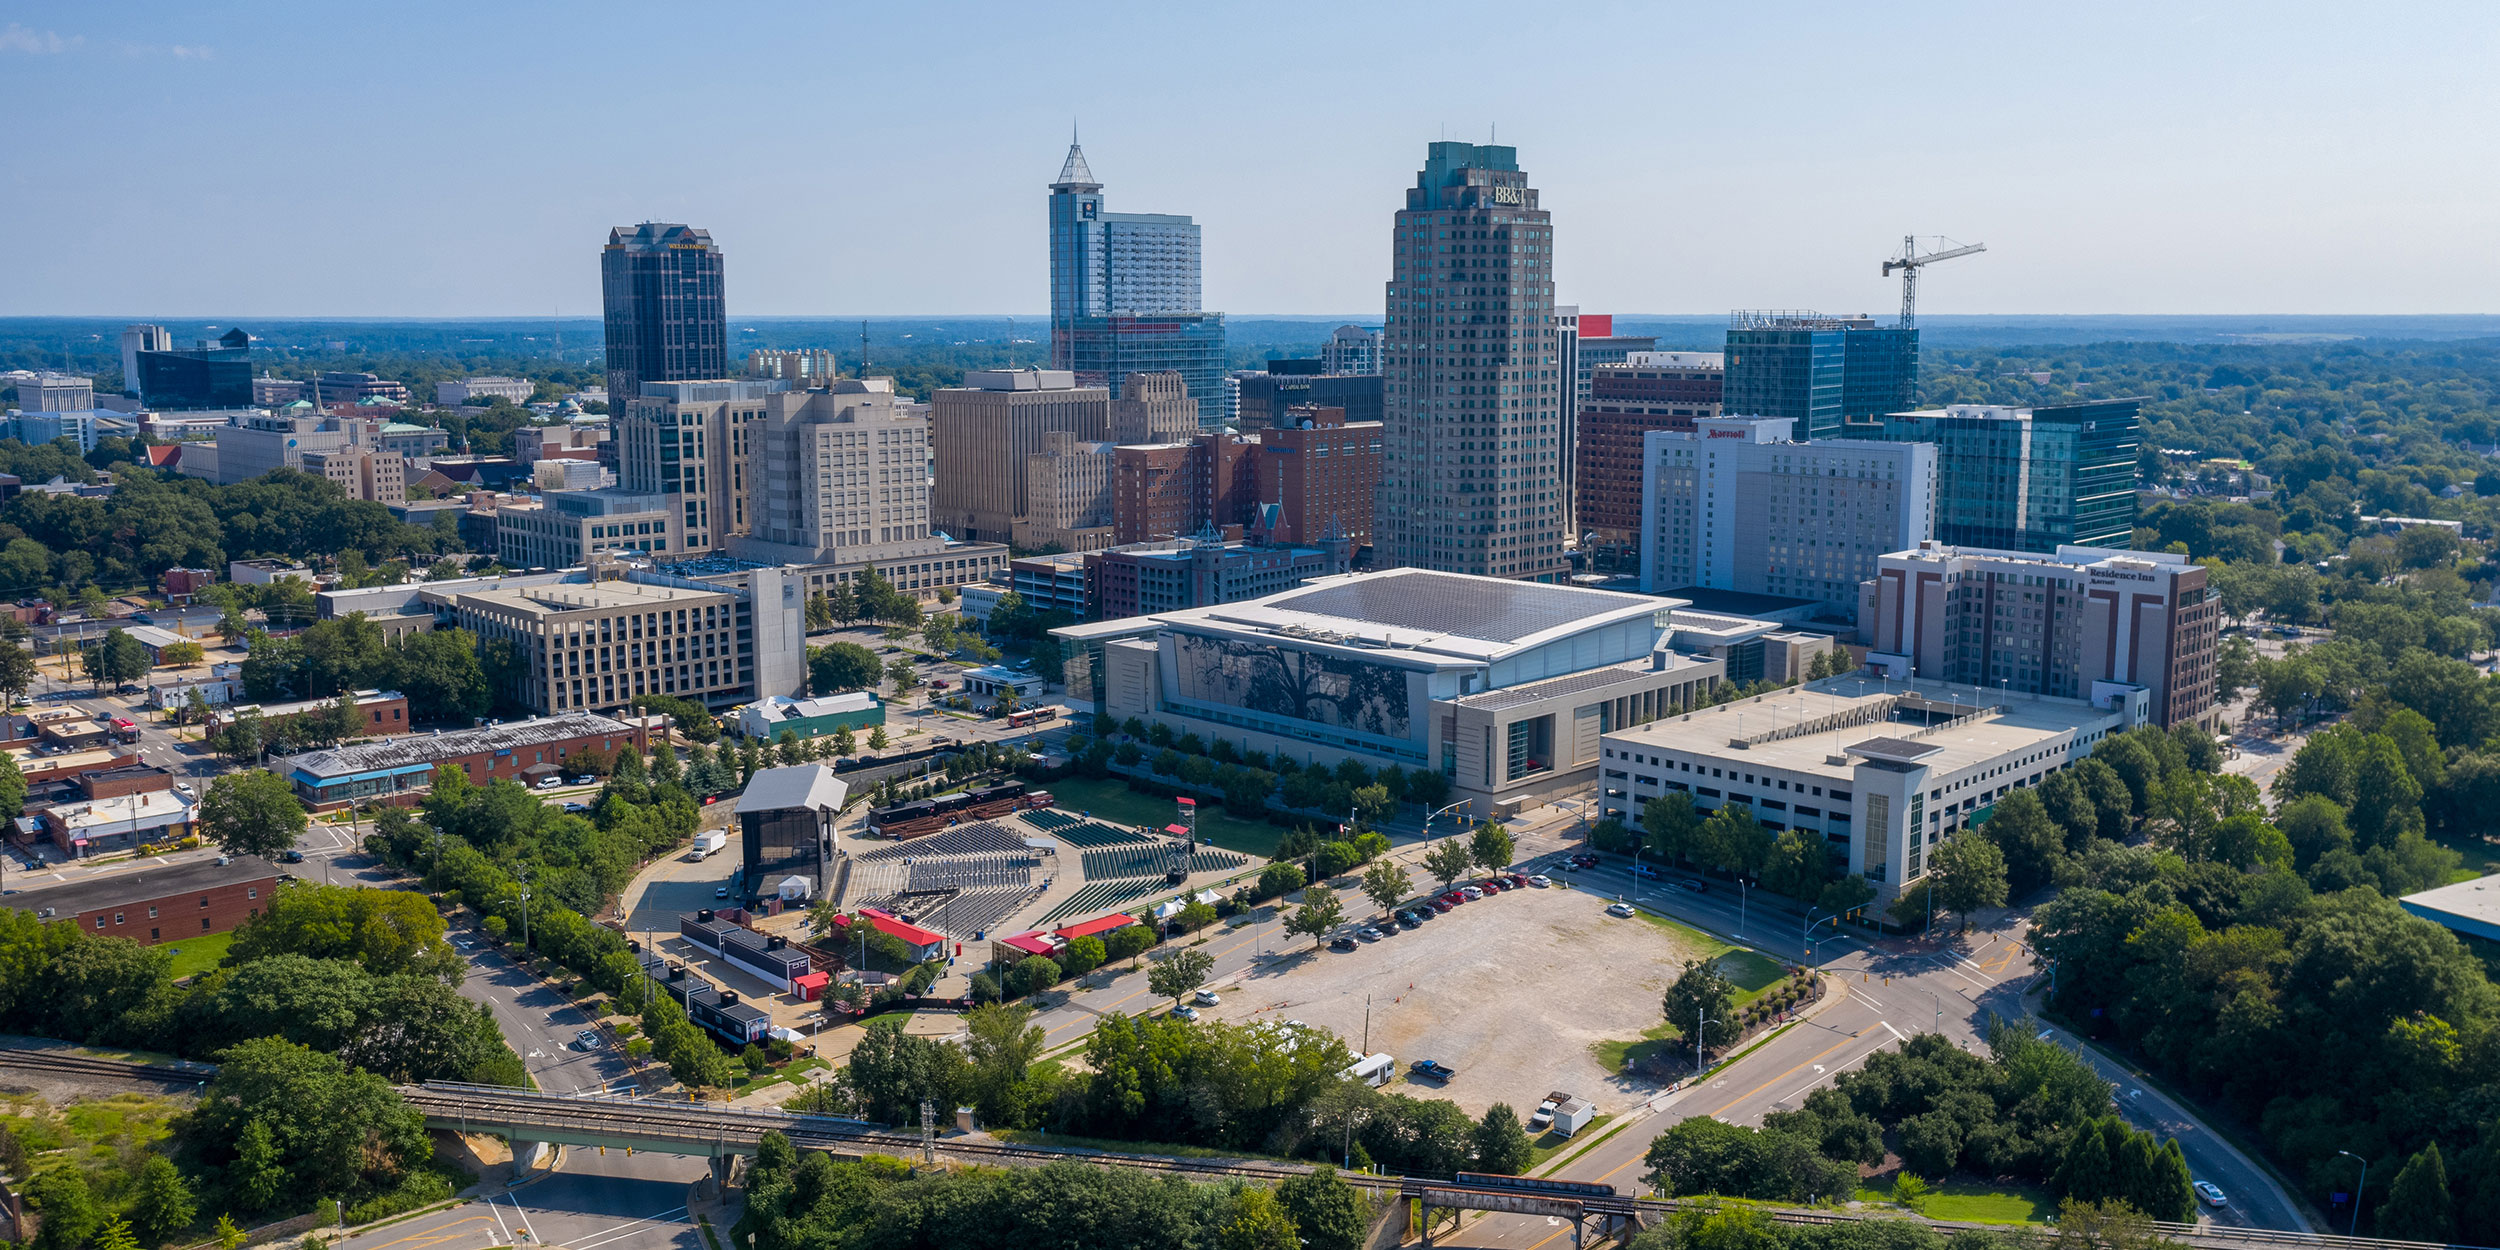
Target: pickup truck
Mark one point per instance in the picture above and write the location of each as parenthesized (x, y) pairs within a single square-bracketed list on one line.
[(1543, 1117), (1433, 1068)]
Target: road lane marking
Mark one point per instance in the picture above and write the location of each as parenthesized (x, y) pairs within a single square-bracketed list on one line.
[(427, 1238), (1895, 1032), (617, 1232), (1792, 1070), (525, 1216)]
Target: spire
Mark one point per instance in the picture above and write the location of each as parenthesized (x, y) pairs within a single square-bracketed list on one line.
[(1075, 175)]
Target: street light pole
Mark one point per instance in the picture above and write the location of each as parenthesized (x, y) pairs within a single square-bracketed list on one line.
[(1701, 1024), (1744, 894), (2358, 1190)]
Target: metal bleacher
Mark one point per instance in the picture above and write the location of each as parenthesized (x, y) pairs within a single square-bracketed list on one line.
[(986, 836), (1152, 860), (1102, 896)]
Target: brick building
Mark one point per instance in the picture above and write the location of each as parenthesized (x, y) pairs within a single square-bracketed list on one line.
[(158, 904), (1175, 490), (523, 751), (1647, 391), (1318, 472)]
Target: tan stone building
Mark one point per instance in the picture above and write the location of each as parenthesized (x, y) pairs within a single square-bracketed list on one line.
[(594, 646), (840, 474), (1067, 493), (363, 472), (1154, 408), (985, 432)]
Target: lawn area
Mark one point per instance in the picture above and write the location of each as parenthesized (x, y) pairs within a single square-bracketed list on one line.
[(1754, 973), (1980, 1202), (2482, 856), (1113, 801), (199, 954), (795, 1074)]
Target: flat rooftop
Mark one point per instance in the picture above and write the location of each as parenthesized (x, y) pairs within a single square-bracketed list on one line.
[(1436, 617), (155, 881), (2468, 906), (562, 597), (1856, 721), (411, 750)]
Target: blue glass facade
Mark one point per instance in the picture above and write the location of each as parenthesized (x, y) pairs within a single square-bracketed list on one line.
[(1820, 372)]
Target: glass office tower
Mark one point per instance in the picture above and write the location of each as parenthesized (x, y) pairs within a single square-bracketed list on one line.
[(666, 320), (1820, 372), (1124, 294), (2028, 479)]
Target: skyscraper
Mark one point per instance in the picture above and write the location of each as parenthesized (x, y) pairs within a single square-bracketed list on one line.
[(1124, 293), (1471, 461), (666, 322), (1820, 372), (2028, 479)]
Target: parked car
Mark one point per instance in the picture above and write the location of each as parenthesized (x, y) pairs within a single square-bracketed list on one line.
[(1643, 870), (1433, 1068), (1207, 998), (1409, 920), (1441, 905), (1515, 880), (589, 1038), (1185, 1012), (1492, 885), (1542, 1118), (720, 891), (1541, 881), (550, 783), (1625, 910), (1471, 893), (1694, 884), (291, 857), (1369, 933), (2211, 1194), (1342, 944)]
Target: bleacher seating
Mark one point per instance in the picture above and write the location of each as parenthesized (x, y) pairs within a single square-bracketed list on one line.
[(1103, 896), (1153, 861), (970, 839), (1049, 821), (1094, 833)]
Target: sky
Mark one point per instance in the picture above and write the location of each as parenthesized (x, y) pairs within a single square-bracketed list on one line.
[(464, 158)]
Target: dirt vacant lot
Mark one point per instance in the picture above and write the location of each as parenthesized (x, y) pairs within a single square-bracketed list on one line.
[(1514, 991)]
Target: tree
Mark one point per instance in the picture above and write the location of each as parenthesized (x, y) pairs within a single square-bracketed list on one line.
[(1258, 1222), (1320, 912), (1672, 825), (1327, 1212), (334, 1129), (1970, 874), (17, 670), (1280, 879), (1197, 915), (228, 1235), (2032, 844), (1127, 942), (12, 788), (1799, 865), (842, 666), (1449, 860), (2417, 1207), (877, 741), (258, 1174), (1731, 838), (253, 812), (1001, 1044), (1491, 847), (1702, 998), (68, 1207), (1384, 883), (164, 1206), (1499, 1144), (1178, 975), (1372, 803)]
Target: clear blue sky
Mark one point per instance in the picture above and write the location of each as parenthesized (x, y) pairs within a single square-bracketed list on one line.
[(457, 158)]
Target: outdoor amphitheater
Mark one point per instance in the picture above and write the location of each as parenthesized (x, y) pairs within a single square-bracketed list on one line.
[(1029, 870)]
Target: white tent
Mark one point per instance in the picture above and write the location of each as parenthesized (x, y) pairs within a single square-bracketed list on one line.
[(794, 889)]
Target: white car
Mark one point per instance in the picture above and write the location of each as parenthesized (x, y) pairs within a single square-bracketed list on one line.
[(1185, 1012), (2211, 1193), (1207, 998), (1625, 910), (1540, 881)]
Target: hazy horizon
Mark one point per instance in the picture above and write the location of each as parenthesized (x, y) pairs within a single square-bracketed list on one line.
[(2127, 159)]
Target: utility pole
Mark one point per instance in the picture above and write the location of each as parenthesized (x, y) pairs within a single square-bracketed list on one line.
[(1700, 1024)]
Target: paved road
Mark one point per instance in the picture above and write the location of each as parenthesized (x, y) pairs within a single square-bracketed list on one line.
[(538, 1023), (1889, 990), (591, 1201)]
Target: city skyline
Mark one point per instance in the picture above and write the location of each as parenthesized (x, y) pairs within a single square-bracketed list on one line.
[(2151, 165)]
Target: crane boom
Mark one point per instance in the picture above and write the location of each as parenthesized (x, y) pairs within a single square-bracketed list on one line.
[(1910, 262)]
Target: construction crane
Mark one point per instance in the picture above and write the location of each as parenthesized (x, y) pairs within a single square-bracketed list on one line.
[(1910, 262)]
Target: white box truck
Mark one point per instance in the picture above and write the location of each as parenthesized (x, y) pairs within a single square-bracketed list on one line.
[(708, 842), (1573, 1115)]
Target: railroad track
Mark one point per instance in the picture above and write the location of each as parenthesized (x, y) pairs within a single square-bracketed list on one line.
[(27, 1058), (698, 1122)]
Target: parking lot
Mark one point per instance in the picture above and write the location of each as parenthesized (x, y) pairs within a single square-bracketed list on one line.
[(1513, 991)]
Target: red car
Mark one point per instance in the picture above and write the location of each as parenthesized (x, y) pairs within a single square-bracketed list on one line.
[(1517, 881), (1454, 898), (1441, 904), (1495, 885), (1584, 861)]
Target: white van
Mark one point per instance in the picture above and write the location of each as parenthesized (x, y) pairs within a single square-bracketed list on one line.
[(1373, 1070)]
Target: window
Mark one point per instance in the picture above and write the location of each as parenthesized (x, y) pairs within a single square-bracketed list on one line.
[(254, 892), (117, 917), (203, 902), (203, 924)]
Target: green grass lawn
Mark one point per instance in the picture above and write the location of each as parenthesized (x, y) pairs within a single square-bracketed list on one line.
[(1754, 973), (2482, 856), (199, 954), (1980, 1202), (1113, 802), (795, 1074)]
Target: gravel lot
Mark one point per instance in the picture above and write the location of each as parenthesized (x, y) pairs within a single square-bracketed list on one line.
[(1512, 990)]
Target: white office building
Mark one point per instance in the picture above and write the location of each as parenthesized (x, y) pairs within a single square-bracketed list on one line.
[(1732, 504), (1883, 770)]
